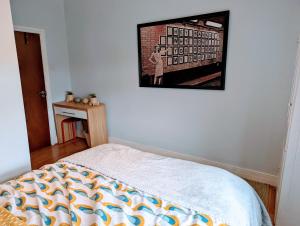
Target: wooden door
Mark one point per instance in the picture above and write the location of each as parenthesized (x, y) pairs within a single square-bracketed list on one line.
[(33, 88)]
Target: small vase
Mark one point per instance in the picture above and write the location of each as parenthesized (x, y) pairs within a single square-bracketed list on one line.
[(93, 101), (85, 100), (69, 98)]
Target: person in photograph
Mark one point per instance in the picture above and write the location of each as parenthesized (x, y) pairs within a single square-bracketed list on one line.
[(156, 59)]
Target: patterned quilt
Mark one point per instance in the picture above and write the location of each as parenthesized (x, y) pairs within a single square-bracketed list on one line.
[(68, 194)]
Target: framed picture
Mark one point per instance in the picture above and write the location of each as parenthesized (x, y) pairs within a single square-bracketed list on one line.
[(195, 57), (175, 40), (181, 50), (181, 32), (195, 33), (175, 31), (170, 51), (169, 31), (163, 50), (170, 40), (181, 42), (199, 41), (186, 32), (181, 60), (185, 59), (175, 51), (186, 41), (186, 50), (195, 41), (163, 40), (175, 60), (195, 51)]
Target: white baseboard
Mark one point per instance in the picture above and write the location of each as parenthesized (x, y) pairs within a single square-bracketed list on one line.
[(249, 174)]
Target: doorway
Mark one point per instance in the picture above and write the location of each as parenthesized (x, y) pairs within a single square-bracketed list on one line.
[(33, 88)]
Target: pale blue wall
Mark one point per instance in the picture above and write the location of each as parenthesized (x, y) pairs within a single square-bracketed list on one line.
[(244, 125)]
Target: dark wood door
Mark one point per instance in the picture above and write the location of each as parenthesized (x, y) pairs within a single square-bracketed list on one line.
[(33, 88)]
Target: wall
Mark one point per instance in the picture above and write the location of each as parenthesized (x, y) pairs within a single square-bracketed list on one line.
[(244, 125), (49, 16), (14, 149)]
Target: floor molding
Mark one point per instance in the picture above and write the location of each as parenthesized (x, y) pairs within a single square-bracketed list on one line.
[(248, 174)]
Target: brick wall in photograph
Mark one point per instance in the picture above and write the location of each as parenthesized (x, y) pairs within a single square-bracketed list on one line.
[(150, 37)]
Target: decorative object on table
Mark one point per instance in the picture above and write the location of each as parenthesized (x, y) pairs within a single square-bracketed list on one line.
[(77, 100), (93, 100), (69, 96), (85, 100), (187, 52)]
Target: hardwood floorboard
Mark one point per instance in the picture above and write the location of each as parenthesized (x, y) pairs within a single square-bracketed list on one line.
[(267, 193), (51, 154)]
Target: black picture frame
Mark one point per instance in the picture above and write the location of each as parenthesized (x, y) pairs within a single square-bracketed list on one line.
[(163, 48), (175, 51), (181, 41), (175, 60), (181, 32), (163, 40), (169, 60), (181, 60), (175, 31), (181, 50), (169, 31), (212, 42), (186, 32)]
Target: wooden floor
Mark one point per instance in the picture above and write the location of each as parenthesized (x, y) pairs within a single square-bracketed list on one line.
[(53, 153), (267, 193)]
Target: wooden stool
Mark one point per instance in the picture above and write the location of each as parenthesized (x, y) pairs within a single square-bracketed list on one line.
[(70, 122)]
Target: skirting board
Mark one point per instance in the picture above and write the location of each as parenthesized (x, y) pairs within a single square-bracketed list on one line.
[(248, 174)]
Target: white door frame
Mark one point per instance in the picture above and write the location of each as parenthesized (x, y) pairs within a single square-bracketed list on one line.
[(292, 146), (42, 35)]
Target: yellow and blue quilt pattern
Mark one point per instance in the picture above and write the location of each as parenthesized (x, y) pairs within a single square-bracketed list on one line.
[(66, 194)]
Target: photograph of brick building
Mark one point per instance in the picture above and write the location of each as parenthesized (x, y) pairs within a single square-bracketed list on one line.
[(184, 53)]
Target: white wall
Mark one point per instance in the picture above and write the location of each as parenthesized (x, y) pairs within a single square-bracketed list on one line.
[(244, 125), (14, 150), (49, 16)]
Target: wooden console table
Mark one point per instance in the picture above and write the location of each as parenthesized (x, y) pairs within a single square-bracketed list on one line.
[(94, 115)]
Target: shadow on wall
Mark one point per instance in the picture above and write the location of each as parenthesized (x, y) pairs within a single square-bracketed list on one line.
[(8, 174)]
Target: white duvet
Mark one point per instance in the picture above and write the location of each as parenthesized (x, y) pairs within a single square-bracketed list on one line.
[(222, 195)]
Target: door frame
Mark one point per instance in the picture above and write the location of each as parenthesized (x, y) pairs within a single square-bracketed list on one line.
[(292, 143), (42, 35)]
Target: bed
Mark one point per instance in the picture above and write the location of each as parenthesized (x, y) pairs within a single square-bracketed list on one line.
[(116, 185)]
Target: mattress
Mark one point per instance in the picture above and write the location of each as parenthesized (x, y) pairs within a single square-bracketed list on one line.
[(116, 185)]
